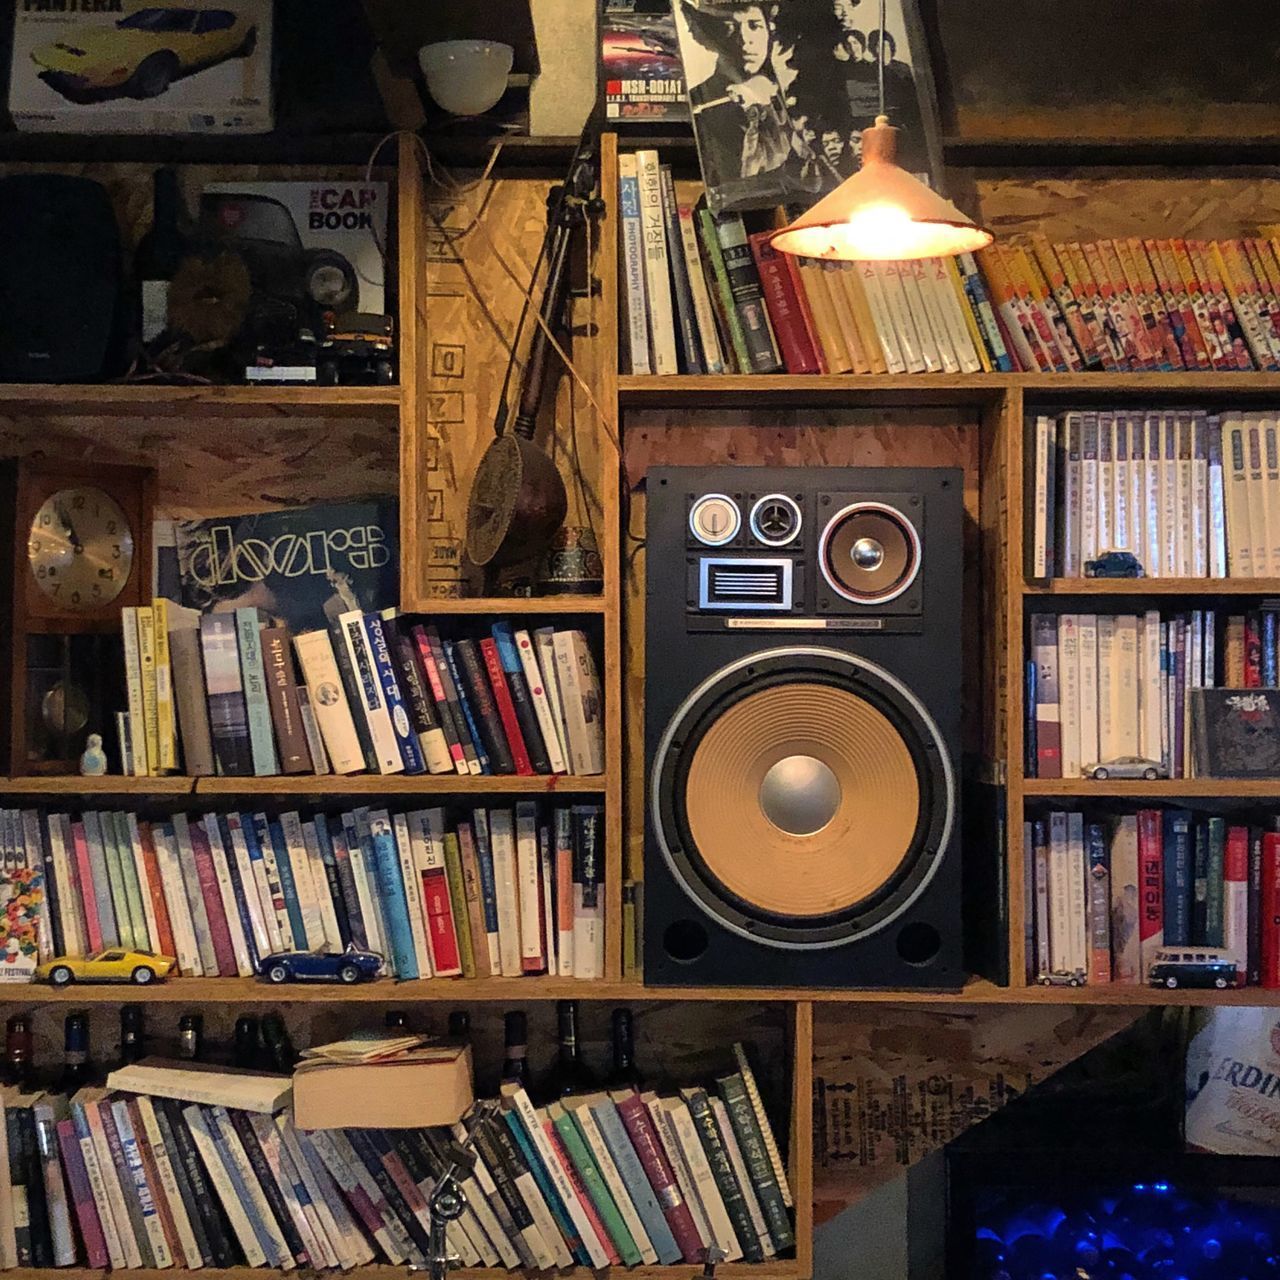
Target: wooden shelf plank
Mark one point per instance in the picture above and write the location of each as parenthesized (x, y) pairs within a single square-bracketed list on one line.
[(442, 784), (1159, 789), (505, 605), (110, 785), (152, 399), (359, 784), (926, 388), (239, 991), (1154, 587)]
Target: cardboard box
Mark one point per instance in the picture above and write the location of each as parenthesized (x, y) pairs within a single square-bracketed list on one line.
[(398, 1094), (126, 66)]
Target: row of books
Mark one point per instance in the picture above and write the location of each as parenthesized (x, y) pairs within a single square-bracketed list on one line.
[(377, 691), (1106, 896), (504, 891), (157, 1179), (1176, 692), (704, 296), (1189, 494)]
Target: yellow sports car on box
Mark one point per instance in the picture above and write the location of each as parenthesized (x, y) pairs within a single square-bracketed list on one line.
[(143, 54), (112, 965)]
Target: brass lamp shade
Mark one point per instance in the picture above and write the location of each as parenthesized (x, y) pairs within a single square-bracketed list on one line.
[(881, 213)]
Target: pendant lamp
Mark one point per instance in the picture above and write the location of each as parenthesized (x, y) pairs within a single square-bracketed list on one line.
[(881, 212)]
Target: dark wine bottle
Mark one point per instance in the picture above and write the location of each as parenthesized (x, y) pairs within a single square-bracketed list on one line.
[(159, 252), (191, 1037), (625, 1074), (459, 1025), (19, 1062), (132, 1035), (246, 1051), (281, 1055), (515, 1035), (570, 1074), (76, 1067), (396, 1020)]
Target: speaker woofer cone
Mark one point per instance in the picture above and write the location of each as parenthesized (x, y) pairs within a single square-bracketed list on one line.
[(869, 553), (802, 797)]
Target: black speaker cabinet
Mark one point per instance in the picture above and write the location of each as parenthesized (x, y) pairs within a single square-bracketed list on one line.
[(61, 296), (802, 727)]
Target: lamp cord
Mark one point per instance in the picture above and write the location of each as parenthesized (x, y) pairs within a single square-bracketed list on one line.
[(880, 58)]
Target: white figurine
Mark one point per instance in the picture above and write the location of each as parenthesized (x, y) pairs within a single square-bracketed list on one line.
[(93, 764)]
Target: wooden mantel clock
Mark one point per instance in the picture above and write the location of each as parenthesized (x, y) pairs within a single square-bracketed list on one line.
[(79, 551)]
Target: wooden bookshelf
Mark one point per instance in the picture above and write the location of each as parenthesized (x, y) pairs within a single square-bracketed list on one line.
[(1154, 587), (162, 400), (1163, 790)]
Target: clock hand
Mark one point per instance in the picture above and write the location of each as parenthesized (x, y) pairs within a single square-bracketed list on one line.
[(72, 536)]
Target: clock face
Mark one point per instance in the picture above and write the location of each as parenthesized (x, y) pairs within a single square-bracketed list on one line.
[(80, 548)]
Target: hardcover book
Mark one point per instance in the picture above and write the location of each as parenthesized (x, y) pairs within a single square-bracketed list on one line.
[(228, 716), (1235, 733), (290, 563)]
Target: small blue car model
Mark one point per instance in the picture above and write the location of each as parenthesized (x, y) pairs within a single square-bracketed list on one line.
[(349, 966), (1114, 564)]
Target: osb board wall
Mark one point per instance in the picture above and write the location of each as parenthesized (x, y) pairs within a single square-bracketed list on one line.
[(891, 1085), (222, 465), (1087, 204), (483, 240), (828, 437)]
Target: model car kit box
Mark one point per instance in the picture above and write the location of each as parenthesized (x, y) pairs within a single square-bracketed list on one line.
[(329, 235), (126, 66)]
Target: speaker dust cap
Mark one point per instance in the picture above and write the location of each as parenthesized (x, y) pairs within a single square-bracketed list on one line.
[(803, 797)]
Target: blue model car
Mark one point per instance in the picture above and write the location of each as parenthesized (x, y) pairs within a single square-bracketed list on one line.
[(351, 965)]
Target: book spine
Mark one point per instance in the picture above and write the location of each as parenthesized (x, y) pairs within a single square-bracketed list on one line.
[(472, 743), (226, 1183), (662, 1179), (458, 904), (87, 1219), (723, 293), (578, 1157), (748, 299), (473, 892), (563, 845), (689, 342), (1099, 903), (166, 725), (783, 304), (326, 891), (422, 708), (532, 959), (506, 889), (282, 695), (132, 1164), (257, 706), (537, 685), (145, 621), (1151, 873), (271, 885), (199, 1179), (228, 715), (198, 912), (270, 1189), (211, 897), (296, 880), (405, 738), (662, 331), (328, 701), (175, 895), (751, 1142), (368, 686), (158, 1143), (115, 1204), (392, 895), (159, 1193), (193, 710), (133, 688), (526, 715), (435, 682), (412, 882), (488, 887), (484, 709), (446, 956), (731, 1192), (633, 265), (703, 310)]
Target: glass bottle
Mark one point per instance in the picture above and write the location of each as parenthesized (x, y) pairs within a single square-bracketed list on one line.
[(246, 1051), (515, 1036), (459, 1025), (570, 1074), (132, 1034), (158, 254), (19, 1062), (76, 1067), (625, 1074), (191, 1037)]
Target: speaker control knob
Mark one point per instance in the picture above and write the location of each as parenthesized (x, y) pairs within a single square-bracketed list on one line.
[(714, 519)]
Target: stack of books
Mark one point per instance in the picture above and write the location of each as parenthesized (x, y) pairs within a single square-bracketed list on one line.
[(1110, 687), (1106, 895), (378, 692), (218, 1175), (705, 294), (499, 891), (1189, 494)]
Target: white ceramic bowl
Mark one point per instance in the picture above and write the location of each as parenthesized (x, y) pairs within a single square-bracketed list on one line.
[(466, 77)]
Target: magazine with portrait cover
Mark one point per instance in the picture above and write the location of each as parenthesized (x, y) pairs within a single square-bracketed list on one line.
[(780, 93), (640, 64)]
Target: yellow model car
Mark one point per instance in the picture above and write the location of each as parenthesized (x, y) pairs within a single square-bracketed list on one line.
[(143, 54), (113, 965)]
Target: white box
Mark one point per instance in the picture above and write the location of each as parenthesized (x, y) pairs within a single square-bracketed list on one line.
[(125, 66)]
